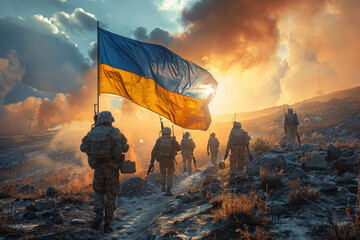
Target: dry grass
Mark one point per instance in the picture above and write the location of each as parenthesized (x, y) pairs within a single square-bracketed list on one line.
[(299, 195), (260, 144), (270, 178), (348, 143), (260, 234), (241, 209)]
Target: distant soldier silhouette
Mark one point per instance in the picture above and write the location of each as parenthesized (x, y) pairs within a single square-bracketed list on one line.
[(105, 146), (187, 151), (213, 148), (164, 152), (237, 142), (291, 122)]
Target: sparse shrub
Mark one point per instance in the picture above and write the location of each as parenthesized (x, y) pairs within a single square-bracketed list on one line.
[(260, 234), (347, 143), (270, 178), (241, 209), (299, 195), (260, 144)]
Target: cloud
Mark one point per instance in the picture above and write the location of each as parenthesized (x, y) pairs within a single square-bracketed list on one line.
[(51, 61), (11, 74), (78, 21)]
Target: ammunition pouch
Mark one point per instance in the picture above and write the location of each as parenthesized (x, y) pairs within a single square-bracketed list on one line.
[(127, 166), (116, 162)]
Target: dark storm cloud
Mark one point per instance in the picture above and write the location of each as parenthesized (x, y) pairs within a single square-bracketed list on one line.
[(78, 21), (156, 36), (51, 61)]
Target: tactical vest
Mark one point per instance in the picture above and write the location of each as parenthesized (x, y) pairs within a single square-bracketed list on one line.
[(213, 143), (292, 120), (187, 145), (100, 142), (165, 147)]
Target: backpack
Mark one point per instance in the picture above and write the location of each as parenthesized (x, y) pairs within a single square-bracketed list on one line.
[(214, 143), (292, 120), (237, 137), (165, 147), (187, 145), (100, 142)]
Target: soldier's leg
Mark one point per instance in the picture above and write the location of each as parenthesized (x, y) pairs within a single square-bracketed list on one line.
[(189, 161), (233, 163), (241, 160), (184, 163), (170, 177), (99, 203), (162, 175), (112, 187)]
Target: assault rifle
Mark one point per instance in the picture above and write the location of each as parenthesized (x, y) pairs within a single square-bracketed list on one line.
[(251, 158), (194, 160), (161, 124), (96, 114), (150, 170)]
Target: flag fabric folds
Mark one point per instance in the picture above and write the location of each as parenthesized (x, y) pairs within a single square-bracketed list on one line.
[(155, 78)]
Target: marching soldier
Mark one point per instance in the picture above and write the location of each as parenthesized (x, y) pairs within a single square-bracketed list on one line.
[(213, 148)]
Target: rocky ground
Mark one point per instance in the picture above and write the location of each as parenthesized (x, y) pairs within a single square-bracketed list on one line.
[(293, 192)]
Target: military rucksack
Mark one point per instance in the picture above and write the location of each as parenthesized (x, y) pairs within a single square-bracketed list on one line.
[(165, 147), (292, 120), (100, 142), (238, 137), (187, 145)]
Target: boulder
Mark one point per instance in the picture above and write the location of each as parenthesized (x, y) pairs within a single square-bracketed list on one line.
[(269, 161), (332, 152), (77, 221), (347, 164), (209, 180), (26, 189), (346, 179), (30, 207), (297, 173), (134, 186), (212, 171), (30, 215), (52, 192), (314, 161), (209, 190), (187, 198), (58, 218), (238, 177), (41, 205), (328, 187)]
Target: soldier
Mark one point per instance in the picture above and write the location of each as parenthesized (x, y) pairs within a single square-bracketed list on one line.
[(105, 146), (238, 140), (291, 122), (213, 148), (187, 151), (164, 152)]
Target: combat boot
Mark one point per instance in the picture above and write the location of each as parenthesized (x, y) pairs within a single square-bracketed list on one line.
[(168, 192), (107, 226), (163, 188), (98, 219)]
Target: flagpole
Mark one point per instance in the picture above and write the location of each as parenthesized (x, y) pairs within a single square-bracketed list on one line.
[(97, 63)]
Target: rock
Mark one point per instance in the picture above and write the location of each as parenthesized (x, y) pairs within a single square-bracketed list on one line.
[(212, 170), (4, 195), (353, 189), (77, 221), (26, 189), (328, 187), (269, 161), (347, 164), (134, 186), (30, 215), (187, 198), (30, 207), (50, 213), (80, 234), (58, 218), (346, 179), (209, 180), (297, 173), (52, 192), (332, 152), (41, 205), (277, 209), (314, 161), (238, 177), (209, 190)]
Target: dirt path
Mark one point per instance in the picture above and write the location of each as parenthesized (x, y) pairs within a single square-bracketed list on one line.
[(137, 213)]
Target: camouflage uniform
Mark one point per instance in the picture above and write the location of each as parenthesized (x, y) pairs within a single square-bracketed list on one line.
[(187, 152), (213, 148), (237, 143), (164, 152), (106, 172), (291, 122)]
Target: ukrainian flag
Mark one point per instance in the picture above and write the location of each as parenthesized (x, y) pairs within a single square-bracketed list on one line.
[(155, 78)]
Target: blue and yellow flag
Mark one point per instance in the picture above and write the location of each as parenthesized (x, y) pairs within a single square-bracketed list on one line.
[(157, 79)]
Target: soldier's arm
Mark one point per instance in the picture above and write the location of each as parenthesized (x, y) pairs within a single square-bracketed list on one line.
[(83, 144), (208, 146), (229, 142), (194, 146), (154, 151), (176, 145)]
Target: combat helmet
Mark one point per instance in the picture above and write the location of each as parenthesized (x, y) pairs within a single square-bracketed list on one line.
[(237, 124), (166, 131), (290, 111), (105, 117), (212, 135), (186, 135)]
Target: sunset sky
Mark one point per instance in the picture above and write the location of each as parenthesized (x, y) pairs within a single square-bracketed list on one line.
[(262, 53)]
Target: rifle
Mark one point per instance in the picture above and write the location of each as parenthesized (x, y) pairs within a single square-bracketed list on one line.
[(251, 158), (285, 121), (173, 131), (161, 124), (298, 137), (150, 170), (95, 116)]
